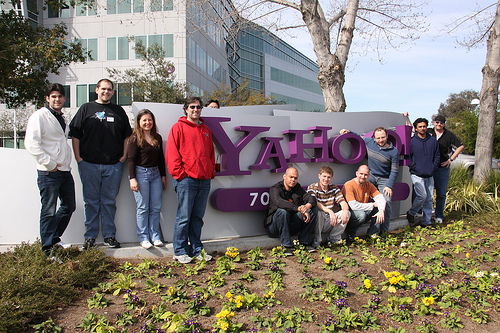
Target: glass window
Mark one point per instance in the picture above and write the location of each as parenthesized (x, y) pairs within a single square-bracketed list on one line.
[(92, 47), (138, 6), (168, 4), (111, 48), (92, 93), (81, 94), (192, 50), (168, 45), (124, 94), (65, 11), (140, 39), (155, 5), (67, 94), (154, 39), (124, 6), (123, 48), (111, 6)]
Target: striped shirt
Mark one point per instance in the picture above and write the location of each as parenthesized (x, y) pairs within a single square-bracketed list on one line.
[(330, 198)]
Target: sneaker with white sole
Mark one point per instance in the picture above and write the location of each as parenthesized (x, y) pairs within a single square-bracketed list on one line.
[(112, 242), (183, 258), (438, 220), (63, 245), (158, 243), (208, 257), (146, 244)]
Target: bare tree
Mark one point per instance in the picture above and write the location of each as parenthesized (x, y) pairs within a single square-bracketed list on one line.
[(482, 24), (378, 23)]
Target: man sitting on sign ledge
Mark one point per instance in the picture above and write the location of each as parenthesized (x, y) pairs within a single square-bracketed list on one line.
[(291, 211)]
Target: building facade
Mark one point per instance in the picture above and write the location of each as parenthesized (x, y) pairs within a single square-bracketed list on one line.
[(204, 39)]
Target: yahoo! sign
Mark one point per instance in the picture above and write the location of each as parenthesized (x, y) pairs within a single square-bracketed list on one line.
[(325, 150)]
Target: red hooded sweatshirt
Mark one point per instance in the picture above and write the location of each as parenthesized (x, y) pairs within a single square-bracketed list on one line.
[(190, 150)]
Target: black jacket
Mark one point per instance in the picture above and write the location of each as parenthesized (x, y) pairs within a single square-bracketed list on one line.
[(279, 197)]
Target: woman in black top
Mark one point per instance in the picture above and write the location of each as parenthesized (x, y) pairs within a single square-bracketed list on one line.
[(146, 163)]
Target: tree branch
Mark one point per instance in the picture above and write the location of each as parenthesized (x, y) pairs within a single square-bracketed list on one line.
[(337, 17), (286, 3)]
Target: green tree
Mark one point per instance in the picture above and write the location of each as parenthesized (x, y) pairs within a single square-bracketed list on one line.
[(243, 95), (154, 80), (457, 103), (464, 123), (27, 55)]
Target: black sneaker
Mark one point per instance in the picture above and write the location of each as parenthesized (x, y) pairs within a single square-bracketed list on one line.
[(411, 219), (89, 243), (288, 251), (111, 242)]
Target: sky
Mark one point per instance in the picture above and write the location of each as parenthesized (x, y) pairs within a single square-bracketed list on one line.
[(414, 80)]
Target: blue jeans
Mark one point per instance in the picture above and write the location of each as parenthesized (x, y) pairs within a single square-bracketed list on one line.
[(101, 183), (441, 176), (287, 223), (380, 183), (358, 218), (424, 190), (192, 196), (54, 185), (148, 201)]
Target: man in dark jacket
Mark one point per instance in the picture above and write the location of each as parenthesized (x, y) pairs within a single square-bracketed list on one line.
[(424, 160), (291, 211)]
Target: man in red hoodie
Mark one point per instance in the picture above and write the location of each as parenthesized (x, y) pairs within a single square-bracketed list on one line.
[(191, 162)]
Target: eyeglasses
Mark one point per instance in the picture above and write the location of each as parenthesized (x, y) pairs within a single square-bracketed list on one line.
[(199, 107)]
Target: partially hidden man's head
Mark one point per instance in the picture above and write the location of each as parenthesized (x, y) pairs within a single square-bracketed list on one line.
[(290, 178)]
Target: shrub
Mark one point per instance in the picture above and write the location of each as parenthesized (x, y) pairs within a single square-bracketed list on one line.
[(32, 286)]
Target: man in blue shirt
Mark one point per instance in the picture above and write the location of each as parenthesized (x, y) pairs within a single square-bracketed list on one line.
[(424, 160)]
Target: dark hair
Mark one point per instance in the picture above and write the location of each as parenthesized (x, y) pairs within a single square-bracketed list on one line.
[(138, 133), (326, 169), (420, 120), (107, 80), (379, 129), (190, 100), (55, 87), (213, 101)]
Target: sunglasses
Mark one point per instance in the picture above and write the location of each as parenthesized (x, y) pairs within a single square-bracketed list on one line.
[(199, 107), (438, 122)]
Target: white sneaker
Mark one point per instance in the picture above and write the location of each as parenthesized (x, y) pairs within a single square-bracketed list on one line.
[(183, 259), (64, 245), (146, 244), (438, 220), (208, 257), (158, 243)]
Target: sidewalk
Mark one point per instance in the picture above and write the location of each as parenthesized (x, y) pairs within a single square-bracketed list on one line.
[(214, 246)]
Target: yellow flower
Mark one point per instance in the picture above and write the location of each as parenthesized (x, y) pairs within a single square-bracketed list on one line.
[(428, 301), (468, 255), (270, 294), (224, 325), (328, 260), (171, 290), (392, 289), (402, 261), (395, 273), (229, 295), (388, 275), (368, 284), (393, 280), (458, 246)]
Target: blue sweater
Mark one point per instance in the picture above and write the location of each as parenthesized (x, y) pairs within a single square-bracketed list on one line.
[(382, 161), (424, 156)]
